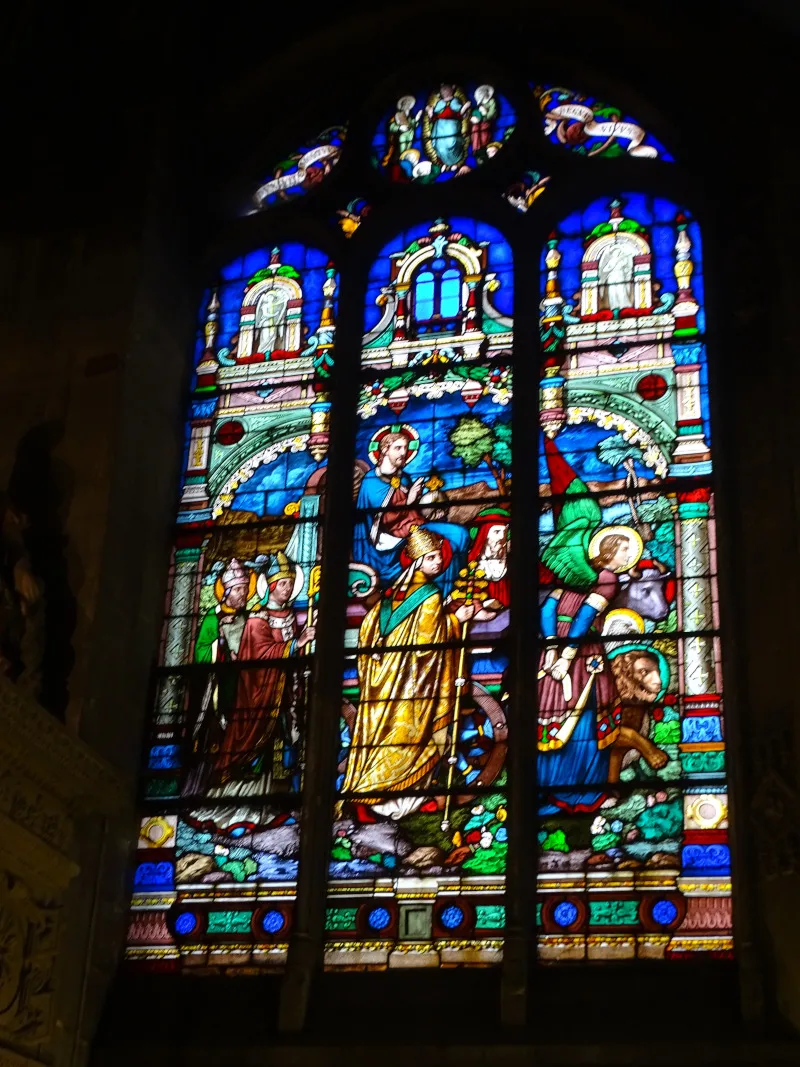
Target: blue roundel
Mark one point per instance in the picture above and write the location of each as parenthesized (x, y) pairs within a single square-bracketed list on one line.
[(451, 917), (273, 921), (186, 923), (379, 918), (664, 912), (565, 913)]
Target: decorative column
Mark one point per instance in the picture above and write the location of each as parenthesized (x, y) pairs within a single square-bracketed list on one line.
[(706, 853), (642, 282), (553, 301), (323, 364), (183, 588), (695, 602), (552, 409), (194, 497), (323, 361), (686, 307), (471, 317), (400, 318), (318, 440), (552, 405), (691, 447)]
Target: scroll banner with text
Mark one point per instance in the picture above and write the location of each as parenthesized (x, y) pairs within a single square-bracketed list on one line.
[(629, 131), (288, 181)]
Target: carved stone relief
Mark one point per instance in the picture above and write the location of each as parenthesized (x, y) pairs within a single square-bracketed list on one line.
[(50, 783)]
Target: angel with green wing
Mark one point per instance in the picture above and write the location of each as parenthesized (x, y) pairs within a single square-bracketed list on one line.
[(578, 701)]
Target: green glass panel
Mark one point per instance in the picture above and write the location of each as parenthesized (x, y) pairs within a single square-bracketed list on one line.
[(667, 733), (613, 912), (161, 787), (703, 762), (340, 918), (229, 922), (492, 915)]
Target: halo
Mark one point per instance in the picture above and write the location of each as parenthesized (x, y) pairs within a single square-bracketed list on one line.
[(625, 531), (219, 588), (395, 427), (262, 588), (299, 578), (636, 620), (649, 650), (262, 584)]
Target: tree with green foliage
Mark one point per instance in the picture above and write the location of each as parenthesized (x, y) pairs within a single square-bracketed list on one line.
[(658, 516), (617, 452), (474, 441)]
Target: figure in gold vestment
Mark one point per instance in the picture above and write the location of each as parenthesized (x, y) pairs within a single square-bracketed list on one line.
[(407, 687)]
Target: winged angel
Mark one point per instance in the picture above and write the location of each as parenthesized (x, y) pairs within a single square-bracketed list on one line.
[(578, 718)]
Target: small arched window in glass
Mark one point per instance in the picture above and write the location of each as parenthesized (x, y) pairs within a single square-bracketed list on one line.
[(437, 297), (443, 133), (590, 127), (450, 294), (424, 295), (303, 169)]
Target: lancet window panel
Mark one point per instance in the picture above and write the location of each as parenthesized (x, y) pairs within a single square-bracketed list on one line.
[(218, 854), (634, 857), (421, 770)]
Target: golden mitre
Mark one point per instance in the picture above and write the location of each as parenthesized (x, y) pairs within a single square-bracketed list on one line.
[(281, 567), (421, 541)]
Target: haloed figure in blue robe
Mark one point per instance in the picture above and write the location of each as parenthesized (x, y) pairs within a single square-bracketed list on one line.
[(386, 515), (446, 116)]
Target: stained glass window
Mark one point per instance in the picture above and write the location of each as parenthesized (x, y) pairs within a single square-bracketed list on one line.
[(590, 127), (632, 799), (218, 847), (442, 133), (302, 170), (421, 776), (523, 194), (625, 785), (349, 218)]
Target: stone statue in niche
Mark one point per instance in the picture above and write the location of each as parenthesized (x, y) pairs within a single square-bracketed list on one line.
[(21, 603)]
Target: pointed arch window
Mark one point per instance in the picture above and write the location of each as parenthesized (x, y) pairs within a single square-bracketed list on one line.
[(462, 615)]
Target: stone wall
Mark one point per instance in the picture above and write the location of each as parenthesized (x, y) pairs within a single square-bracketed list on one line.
[(64, 827)]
